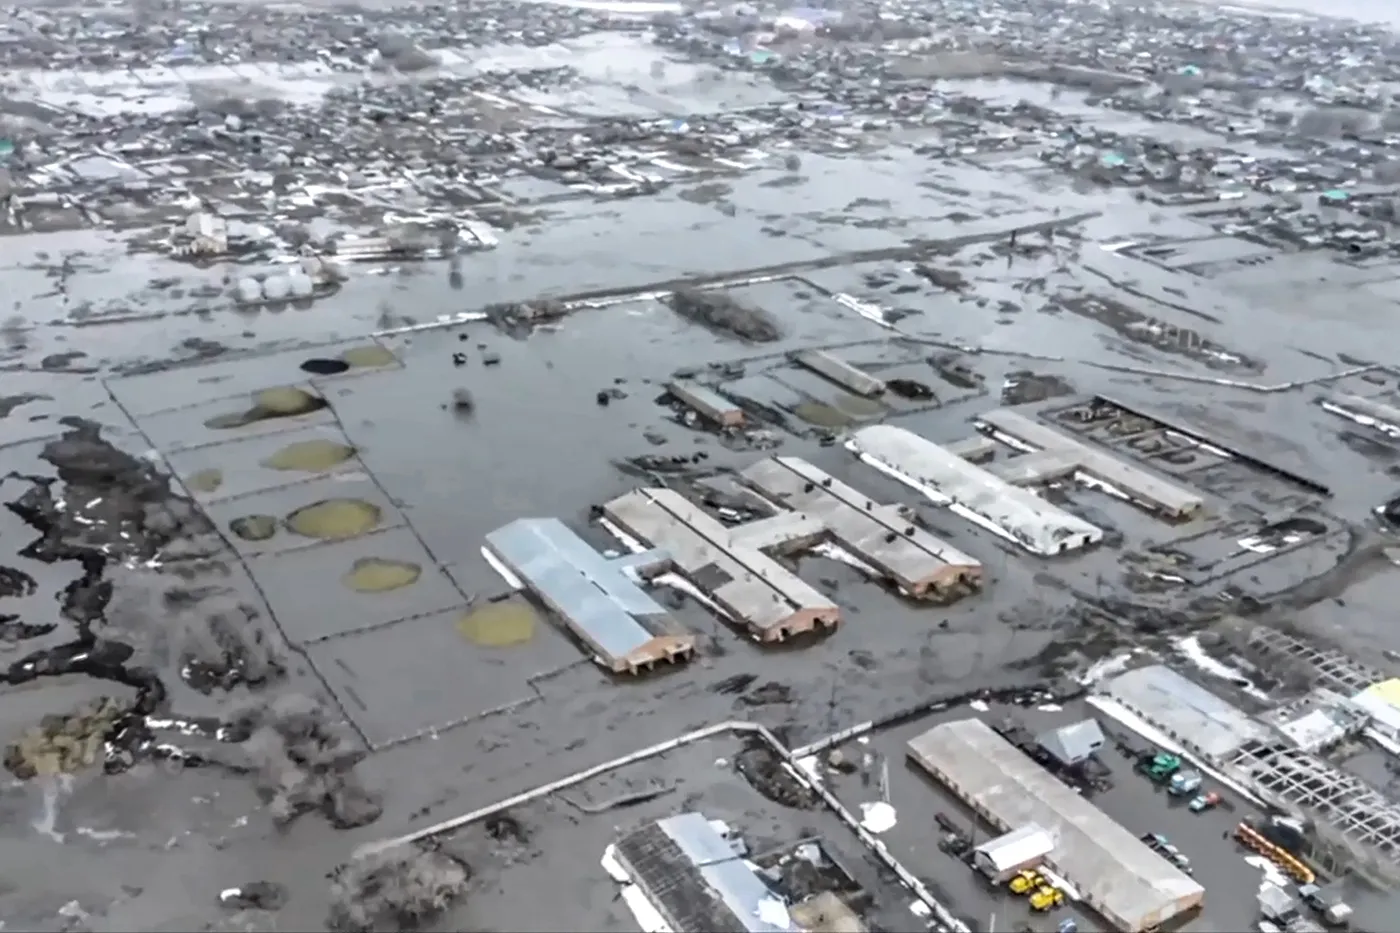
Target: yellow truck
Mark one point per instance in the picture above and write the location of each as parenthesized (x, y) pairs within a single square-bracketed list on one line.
[(1025, 881), (1047, 897)]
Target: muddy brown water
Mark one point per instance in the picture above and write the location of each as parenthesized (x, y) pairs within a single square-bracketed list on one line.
[(368, 356), (859, 407), (823, 415), (254, 527), (381, 575), (312, 456), (842, 411), (335, 519), (499, 625), (279, 402), (206, 481)]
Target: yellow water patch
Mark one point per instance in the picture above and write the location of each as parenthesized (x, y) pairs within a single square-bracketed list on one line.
[(858, 406), (368, 356), (254, 527), (280, 402), (284, 401), (822, 415), (205, 481), (313, 456), (380, 575), (498, 625), (335, 519)]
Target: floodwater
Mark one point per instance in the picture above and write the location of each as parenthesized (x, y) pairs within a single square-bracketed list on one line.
[(311, 456), (499, 625), (206, 480), (254, 527), (335, 519), (541, 444), (269, 404), (381, 574)]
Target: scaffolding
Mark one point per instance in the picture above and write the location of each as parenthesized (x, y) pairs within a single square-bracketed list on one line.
[(1368, 823), (1330, 669)]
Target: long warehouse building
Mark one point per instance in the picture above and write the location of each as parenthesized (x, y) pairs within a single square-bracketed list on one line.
[(730, 564), (1156, 492), (597, 597), (1116, 874), (882, 535), (1039, 526)]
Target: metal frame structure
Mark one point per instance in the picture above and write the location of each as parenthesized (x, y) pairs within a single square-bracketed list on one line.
[(1332, 669), (1358, 811), (694, 877)]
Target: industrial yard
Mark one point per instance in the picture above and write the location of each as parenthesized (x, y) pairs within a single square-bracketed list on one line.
[(1127, 873), (731, 469)]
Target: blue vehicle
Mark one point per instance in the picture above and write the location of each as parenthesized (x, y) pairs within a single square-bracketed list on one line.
[(1184, 783)]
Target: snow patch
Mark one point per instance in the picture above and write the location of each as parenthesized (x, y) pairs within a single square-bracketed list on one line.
[(1062, 883), (1190, 647), (1273, 875), (774, 913), (877, 817), (811, 767), (1105, 668), (649, 919)]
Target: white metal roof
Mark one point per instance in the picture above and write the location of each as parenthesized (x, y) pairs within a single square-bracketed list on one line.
[(1017, 847), (1012, 512), (1187, 712), (1115, 872)]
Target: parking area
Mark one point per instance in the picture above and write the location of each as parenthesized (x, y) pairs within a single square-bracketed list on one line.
[(868, 772)]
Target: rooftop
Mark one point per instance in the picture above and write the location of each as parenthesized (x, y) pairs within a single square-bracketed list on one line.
[(1184, 710), (593, 595), (698, 880), (1115, 873), (1041, 527)]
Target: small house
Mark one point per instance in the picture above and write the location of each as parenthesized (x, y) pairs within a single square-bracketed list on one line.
[(1073, 744)]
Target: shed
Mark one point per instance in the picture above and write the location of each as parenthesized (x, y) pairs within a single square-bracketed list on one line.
[(1073, 744), (1004, 856)]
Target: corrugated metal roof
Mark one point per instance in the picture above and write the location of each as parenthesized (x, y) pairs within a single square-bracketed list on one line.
[(1186, 711), (1017, 847), (698, 881), (1129, 477), (592, 592), (1117, 875), (1019, 514), (743, 892)]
